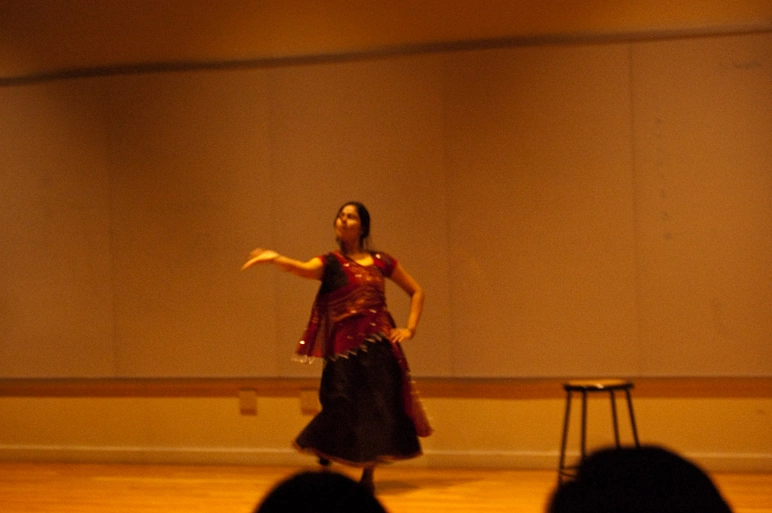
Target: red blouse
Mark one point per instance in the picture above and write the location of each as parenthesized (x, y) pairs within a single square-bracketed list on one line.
[(349, 307)]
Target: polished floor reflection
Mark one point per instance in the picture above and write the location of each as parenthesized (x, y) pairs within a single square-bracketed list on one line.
[(101, 488)]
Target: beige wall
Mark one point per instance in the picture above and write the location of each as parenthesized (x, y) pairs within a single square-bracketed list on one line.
[(723, 434), (44, 35), (570, 210)]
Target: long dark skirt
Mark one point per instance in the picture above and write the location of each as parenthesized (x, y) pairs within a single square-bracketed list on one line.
[(363, 419)]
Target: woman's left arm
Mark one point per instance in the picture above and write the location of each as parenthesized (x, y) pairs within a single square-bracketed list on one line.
[(407, 283)]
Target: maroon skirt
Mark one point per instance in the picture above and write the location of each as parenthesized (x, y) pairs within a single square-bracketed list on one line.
[(363, 419)]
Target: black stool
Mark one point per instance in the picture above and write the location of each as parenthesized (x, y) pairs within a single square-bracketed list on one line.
[(586, 387)]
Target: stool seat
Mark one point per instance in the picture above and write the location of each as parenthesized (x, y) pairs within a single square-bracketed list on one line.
[(597, 384), (585, 387)]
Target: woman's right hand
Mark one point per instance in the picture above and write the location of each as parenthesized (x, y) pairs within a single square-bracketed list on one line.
[(258, 256)]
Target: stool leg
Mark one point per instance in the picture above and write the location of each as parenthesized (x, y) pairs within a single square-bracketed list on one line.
[(614, 416), (632, 417), (584, 425), (562, 464)]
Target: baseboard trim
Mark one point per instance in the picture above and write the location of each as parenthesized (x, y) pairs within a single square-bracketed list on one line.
[(153, 455)]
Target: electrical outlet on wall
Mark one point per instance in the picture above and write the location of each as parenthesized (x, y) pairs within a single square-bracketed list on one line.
[(248, 401), (309, 401)]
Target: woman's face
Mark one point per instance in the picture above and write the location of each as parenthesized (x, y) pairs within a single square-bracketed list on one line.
[(348, 226)]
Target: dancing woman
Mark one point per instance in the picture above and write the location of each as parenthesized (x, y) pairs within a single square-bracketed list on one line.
[(367, 416)]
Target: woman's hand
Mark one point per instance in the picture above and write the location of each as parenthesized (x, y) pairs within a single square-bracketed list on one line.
[(400, 334), (258, 256)]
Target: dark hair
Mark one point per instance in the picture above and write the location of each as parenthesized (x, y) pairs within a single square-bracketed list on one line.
[(364, 219), (648, 479), (319, 492)]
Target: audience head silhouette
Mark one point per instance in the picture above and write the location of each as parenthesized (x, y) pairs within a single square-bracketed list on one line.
[(319, 492), (648, 479)]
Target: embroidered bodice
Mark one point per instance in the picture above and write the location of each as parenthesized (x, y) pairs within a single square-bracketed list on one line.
[(349, 307)]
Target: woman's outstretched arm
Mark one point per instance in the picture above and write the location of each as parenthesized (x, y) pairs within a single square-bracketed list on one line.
[(312, 269)]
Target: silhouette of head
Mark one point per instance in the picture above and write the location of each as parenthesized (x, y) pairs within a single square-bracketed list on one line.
[(637, 480), (319, 492)]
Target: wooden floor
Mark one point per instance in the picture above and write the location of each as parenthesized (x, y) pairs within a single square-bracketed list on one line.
[(90, 488)]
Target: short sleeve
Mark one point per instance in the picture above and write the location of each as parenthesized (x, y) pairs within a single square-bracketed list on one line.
[(386, 263)]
